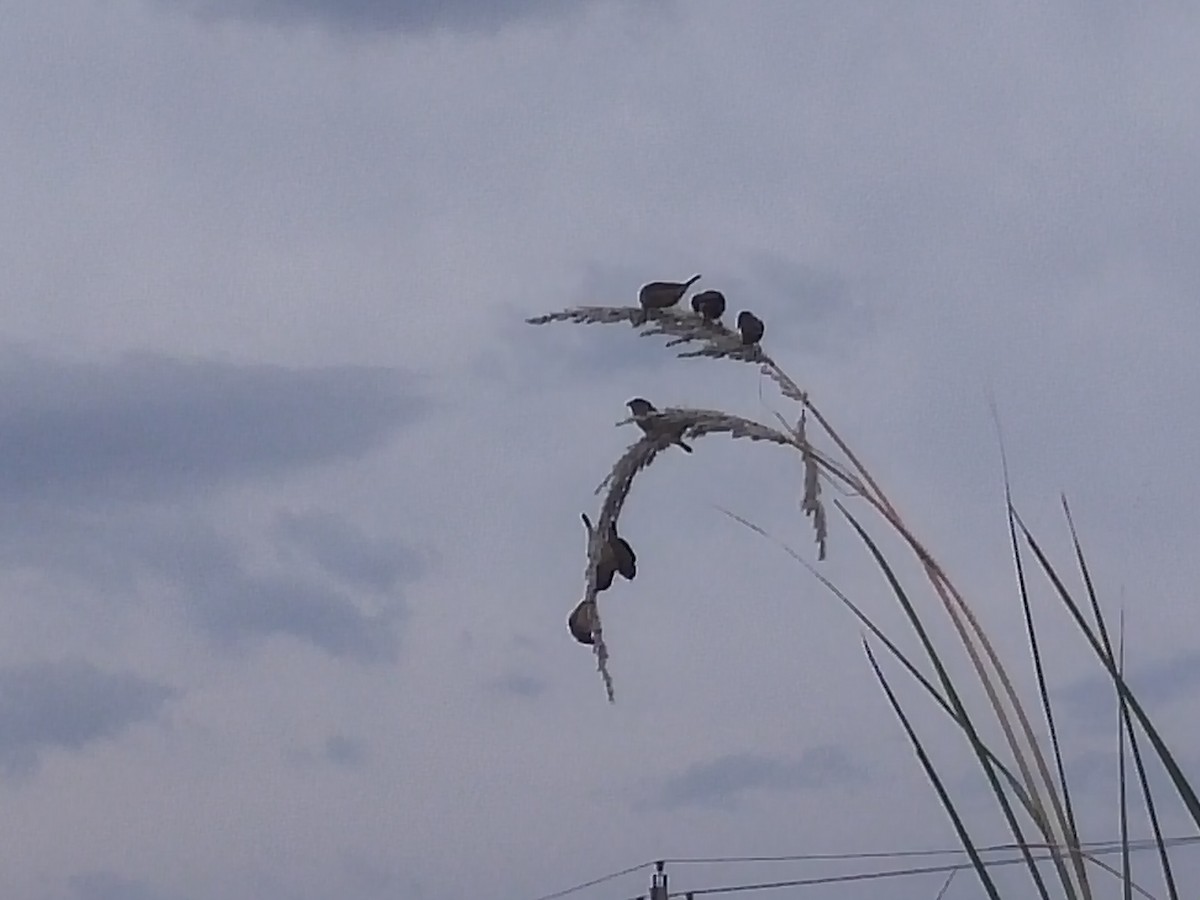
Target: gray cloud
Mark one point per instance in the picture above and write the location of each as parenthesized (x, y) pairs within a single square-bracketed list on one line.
[(238, 608), (101, 885), (344, 751), (344, 552), (386, 15), (804, 306), (68, 705), (338, 750), (1093, 699), (520, 684), (722, 782), (1007, 194), (177, 556), (234, 604), (1093, 776), (148, 425), (75, 436)]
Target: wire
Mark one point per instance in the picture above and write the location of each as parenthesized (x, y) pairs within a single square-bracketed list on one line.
[(1098, 848), (835, 879), (1105, 849), (595, 881), (908, 854)]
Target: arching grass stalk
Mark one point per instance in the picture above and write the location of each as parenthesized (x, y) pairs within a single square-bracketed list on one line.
[(1044, 797)]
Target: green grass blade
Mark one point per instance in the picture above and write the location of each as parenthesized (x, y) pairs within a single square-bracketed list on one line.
[(1159, 840), (961, 716), (979, 648), (1043, 691), (1013, 783), (1130, 733), (1178, 779), (1086, 574), (963, 836), (1122, 717)]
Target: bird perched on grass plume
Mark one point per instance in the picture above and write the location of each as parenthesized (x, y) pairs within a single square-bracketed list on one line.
[(581, 621), (615, 556), (623, 556), (709, 305), (649, 421), (662, 294), (751, 327)]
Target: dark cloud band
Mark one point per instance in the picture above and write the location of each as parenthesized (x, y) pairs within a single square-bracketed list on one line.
[(151, 425)]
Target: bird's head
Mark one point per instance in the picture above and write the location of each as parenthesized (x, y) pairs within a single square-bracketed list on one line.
[(639, 406)]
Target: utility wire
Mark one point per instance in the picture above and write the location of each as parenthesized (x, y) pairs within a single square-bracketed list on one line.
[(902, 854), (1098, 848), (855, 876), (1110, 848), (595, 881)]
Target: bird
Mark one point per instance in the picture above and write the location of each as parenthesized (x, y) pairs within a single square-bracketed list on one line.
[(581, 621), (662, 294), (646, 416), (709, 305), (751, 327), (607, 566), (623, 556), (615, 556)]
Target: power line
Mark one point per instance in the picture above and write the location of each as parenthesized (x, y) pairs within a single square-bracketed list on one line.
[(1105, 849), (1098, 848), (854, 876), (903, 854), (595, 881)]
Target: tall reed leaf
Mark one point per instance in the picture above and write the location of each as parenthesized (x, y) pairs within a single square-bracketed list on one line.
[(963, 836)]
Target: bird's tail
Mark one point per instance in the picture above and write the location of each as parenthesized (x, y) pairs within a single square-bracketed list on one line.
[(691, 281)]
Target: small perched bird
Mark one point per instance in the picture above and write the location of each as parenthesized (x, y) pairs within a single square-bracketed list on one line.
[(663, 294), (615, 556), (646, 416), (581, 621), (623, 556), (751, 327), (607, 566), (709, 305)]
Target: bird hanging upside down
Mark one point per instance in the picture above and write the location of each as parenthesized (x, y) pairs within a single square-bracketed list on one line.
[(615, 556), (650, 422), (623, 555), (582, 621)]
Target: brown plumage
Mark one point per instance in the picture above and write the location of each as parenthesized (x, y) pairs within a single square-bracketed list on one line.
[(709, 305), (615, 556), (663, 294), (607, 566), (623, 556), (646, 416), (581, 622), (751, 327)]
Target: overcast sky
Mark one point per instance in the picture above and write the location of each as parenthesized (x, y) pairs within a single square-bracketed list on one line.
[(292, 493)]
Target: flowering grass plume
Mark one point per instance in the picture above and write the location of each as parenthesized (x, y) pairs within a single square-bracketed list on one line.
[(1026, 775)]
